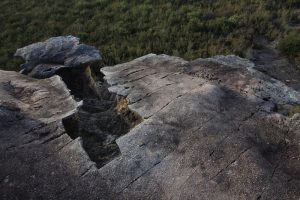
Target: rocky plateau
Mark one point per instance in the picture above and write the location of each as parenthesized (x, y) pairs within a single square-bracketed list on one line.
[(157, 127)]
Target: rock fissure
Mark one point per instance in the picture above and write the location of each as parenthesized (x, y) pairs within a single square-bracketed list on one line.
[(99, 130), (141, 175), (136, 71), (58, 150), (53, 138), (233, 161), (164, 106), (137, 79), (274, 170)]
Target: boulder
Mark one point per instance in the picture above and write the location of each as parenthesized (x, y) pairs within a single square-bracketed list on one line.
[(63, 56), (63, 50)]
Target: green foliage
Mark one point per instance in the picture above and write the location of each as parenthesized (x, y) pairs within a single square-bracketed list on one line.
[(290, 45), (124, 30)]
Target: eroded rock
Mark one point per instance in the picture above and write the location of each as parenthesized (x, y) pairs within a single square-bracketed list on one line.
[(63, 50), (99, 123), (210, 129), (208, 133), (38, 158), (63, 56)]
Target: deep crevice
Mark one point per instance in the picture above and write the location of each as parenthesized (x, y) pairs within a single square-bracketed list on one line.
[(99, 122)]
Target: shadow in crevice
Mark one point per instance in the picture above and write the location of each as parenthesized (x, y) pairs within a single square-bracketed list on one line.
[(99, 122)]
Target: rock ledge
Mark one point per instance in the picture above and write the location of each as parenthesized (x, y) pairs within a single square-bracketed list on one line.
[(212, 129)]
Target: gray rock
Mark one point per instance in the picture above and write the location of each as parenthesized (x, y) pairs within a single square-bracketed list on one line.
[(206, 133), (42, 71), (63, 56), (62, 50), (38, 159)]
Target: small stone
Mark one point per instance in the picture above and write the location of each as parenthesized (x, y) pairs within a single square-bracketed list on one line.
[(6, 179)]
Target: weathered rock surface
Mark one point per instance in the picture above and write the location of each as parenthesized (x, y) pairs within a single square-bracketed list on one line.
[(63, 56), (99, 122), (64, 51), (212, 129), (38, 158)]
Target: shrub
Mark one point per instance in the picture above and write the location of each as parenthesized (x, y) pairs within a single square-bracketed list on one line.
[(290, 45), (124, 30)]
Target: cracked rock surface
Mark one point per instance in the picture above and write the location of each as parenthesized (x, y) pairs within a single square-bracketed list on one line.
[(212, 129)]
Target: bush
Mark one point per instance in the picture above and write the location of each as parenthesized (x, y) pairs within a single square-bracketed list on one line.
[(290, 45), (124, 30)]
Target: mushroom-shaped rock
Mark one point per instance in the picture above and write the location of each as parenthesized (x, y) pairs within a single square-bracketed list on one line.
[(64, 56), (62, 50)]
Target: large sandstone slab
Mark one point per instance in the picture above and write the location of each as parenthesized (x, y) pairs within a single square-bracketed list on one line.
[(212, 129), (38, 159)]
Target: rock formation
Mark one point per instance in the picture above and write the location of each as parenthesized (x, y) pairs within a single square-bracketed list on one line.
[(212, 131), (63, 56), (208, 129)]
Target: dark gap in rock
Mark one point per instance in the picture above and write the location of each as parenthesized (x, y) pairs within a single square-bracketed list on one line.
[(99, 122), (79, 81), (48, 70)]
